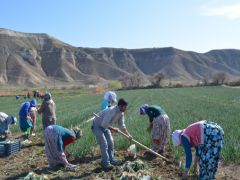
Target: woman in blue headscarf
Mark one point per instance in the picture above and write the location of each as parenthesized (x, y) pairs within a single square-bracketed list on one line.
[(25, 120)]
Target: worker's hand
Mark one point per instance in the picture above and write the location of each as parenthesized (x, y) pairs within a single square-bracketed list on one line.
[(195, 170), (149, 129), (116, 130), (185, 174), (66, 153), (7, 132), (130, 137)]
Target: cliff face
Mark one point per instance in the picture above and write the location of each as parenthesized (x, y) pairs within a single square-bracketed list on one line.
[(35, 59)]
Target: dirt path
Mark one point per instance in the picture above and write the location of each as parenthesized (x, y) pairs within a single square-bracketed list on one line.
[(33, 159)]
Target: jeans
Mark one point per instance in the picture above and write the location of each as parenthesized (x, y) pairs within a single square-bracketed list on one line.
[(105, 141)]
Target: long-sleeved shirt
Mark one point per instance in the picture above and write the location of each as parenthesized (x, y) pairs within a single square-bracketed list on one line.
[(192, 136), (109, 116), (154, 111), (187, 149), (48, 110), (65, 136)]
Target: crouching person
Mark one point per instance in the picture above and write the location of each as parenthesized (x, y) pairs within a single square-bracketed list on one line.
[(207, 138), (102, 124), (5, 122), (56, 140)]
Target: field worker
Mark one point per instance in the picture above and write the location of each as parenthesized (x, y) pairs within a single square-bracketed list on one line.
[(56, 140), (207, 138), (5, 122), (48, 111), (159, 124), (33, 115), (109, 98), (102, 124), (25, 120)]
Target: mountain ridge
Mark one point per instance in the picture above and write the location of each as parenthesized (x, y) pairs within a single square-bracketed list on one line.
[(34, 59)]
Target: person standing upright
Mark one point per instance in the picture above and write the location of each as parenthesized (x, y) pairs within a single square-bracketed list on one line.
[(48, 111), (102, 124)]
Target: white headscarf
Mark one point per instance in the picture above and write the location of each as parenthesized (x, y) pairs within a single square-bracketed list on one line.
[(176, 137), (110, 96)]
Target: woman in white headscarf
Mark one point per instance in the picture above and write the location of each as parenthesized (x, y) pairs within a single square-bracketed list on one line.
[(109, 98), (5, 122), (207, 137)]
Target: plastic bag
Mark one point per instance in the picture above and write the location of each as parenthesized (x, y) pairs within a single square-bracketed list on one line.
[(132, 151)]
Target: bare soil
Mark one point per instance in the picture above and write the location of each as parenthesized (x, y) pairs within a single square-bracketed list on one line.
[(32, 158)]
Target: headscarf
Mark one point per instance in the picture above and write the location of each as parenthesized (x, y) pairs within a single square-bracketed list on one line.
[(33, 103), (47, 96), (110, 96), (78, 132), (176, 137), (143, 109)]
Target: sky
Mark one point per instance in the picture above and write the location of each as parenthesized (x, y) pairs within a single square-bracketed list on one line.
[(191, 25)]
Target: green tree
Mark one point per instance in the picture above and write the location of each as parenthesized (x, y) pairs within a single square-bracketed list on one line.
[(115, 85)]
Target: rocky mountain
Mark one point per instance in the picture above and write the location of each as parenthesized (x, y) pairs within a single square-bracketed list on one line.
[(35, 59)]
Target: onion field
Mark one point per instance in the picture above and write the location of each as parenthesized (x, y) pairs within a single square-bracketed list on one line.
[(183, 106)]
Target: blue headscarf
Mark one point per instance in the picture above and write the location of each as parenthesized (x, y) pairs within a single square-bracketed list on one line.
[(33, 103), (47, 96)]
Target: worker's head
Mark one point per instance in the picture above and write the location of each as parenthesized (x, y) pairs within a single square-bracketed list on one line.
[(122, 104), (143, 108), (14, 120), (33, 103), (176, 137), (78, 132), (47, 96), (112, 96)]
